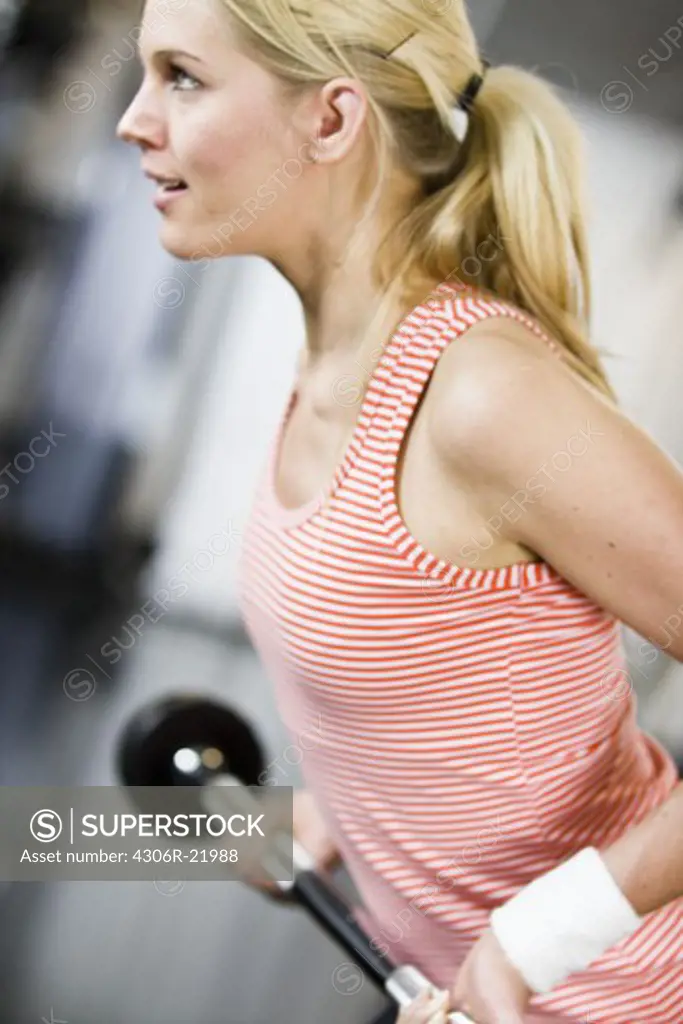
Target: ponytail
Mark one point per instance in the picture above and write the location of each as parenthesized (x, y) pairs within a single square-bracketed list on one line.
[(510, 219)]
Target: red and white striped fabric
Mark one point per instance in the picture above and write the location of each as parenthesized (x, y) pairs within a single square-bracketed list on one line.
[(460, 727)]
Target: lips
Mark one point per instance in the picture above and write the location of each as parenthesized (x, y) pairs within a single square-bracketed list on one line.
[(167, 187), (166, 182)]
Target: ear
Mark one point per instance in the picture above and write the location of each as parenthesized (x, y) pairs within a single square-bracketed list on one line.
[(341, 111)]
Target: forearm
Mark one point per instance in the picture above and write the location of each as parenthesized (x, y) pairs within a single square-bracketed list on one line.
[(647, 861)]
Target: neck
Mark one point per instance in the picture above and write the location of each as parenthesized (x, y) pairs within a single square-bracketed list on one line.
[(348, 315)]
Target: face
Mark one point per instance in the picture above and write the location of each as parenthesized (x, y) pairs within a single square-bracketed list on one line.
[(207, 115)]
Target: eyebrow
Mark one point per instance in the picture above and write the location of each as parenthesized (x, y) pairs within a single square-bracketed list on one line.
[(160, 55), (169, 54)]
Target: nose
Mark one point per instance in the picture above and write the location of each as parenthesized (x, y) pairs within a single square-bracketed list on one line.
[(143, 123)]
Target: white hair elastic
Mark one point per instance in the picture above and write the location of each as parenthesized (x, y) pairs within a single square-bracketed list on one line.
[(462, 109)]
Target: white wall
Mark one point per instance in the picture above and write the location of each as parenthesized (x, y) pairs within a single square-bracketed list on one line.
[(635, 169), (263, 332)]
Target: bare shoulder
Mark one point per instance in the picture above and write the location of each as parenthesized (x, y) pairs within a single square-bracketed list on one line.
[(564, 472), (501, 396)]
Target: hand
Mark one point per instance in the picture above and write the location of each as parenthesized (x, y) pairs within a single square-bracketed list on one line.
[(309, 829), (488, 988), (426, 1009)]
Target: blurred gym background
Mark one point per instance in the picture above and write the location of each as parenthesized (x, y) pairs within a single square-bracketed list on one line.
[(137, 397)]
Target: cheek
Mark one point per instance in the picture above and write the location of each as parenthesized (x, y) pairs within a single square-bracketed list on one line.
[(224, 155)]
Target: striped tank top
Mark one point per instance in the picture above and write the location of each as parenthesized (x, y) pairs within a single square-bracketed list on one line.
[(466, 729)]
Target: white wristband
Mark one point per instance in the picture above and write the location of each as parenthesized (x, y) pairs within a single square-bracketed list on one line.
[(564, 920)]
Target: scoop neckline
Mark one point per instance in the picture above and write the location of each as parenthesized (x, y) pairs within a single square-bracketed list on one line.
[(301, 513)]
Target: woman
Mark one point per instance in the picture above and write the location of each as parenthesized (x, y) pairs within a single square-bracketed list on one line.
[(455, 515)]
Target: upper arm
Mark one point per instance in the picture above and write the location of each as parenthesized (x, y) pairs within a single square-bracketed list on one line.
[(567, 474)]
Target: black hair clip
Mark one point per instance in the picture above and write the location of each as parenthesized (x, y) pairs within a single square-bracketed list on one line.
[(469, 94)]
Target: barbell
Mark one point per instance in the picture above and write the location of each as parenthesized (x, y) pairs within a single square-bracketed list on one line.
[(191, 741)]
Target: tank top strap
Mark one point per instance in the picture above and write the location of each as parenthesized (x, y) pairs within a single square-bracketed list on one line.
[(448, 312), (385, 386), (445, 316)]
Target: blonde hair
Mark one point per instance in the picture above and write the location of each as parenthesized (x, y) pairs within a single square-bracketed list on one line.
[(515, 177)]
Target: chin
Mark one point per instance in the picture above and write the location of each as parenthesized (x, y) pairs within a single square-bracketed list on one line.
[(186, 244), (177, 241)]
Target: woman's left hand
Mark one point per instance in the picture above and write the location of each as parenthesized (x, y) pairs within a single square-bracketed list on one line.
[(488, 988)]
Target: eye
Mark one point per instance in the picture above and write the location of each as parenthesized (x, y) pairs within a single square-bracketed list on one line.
[(181, 80)]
